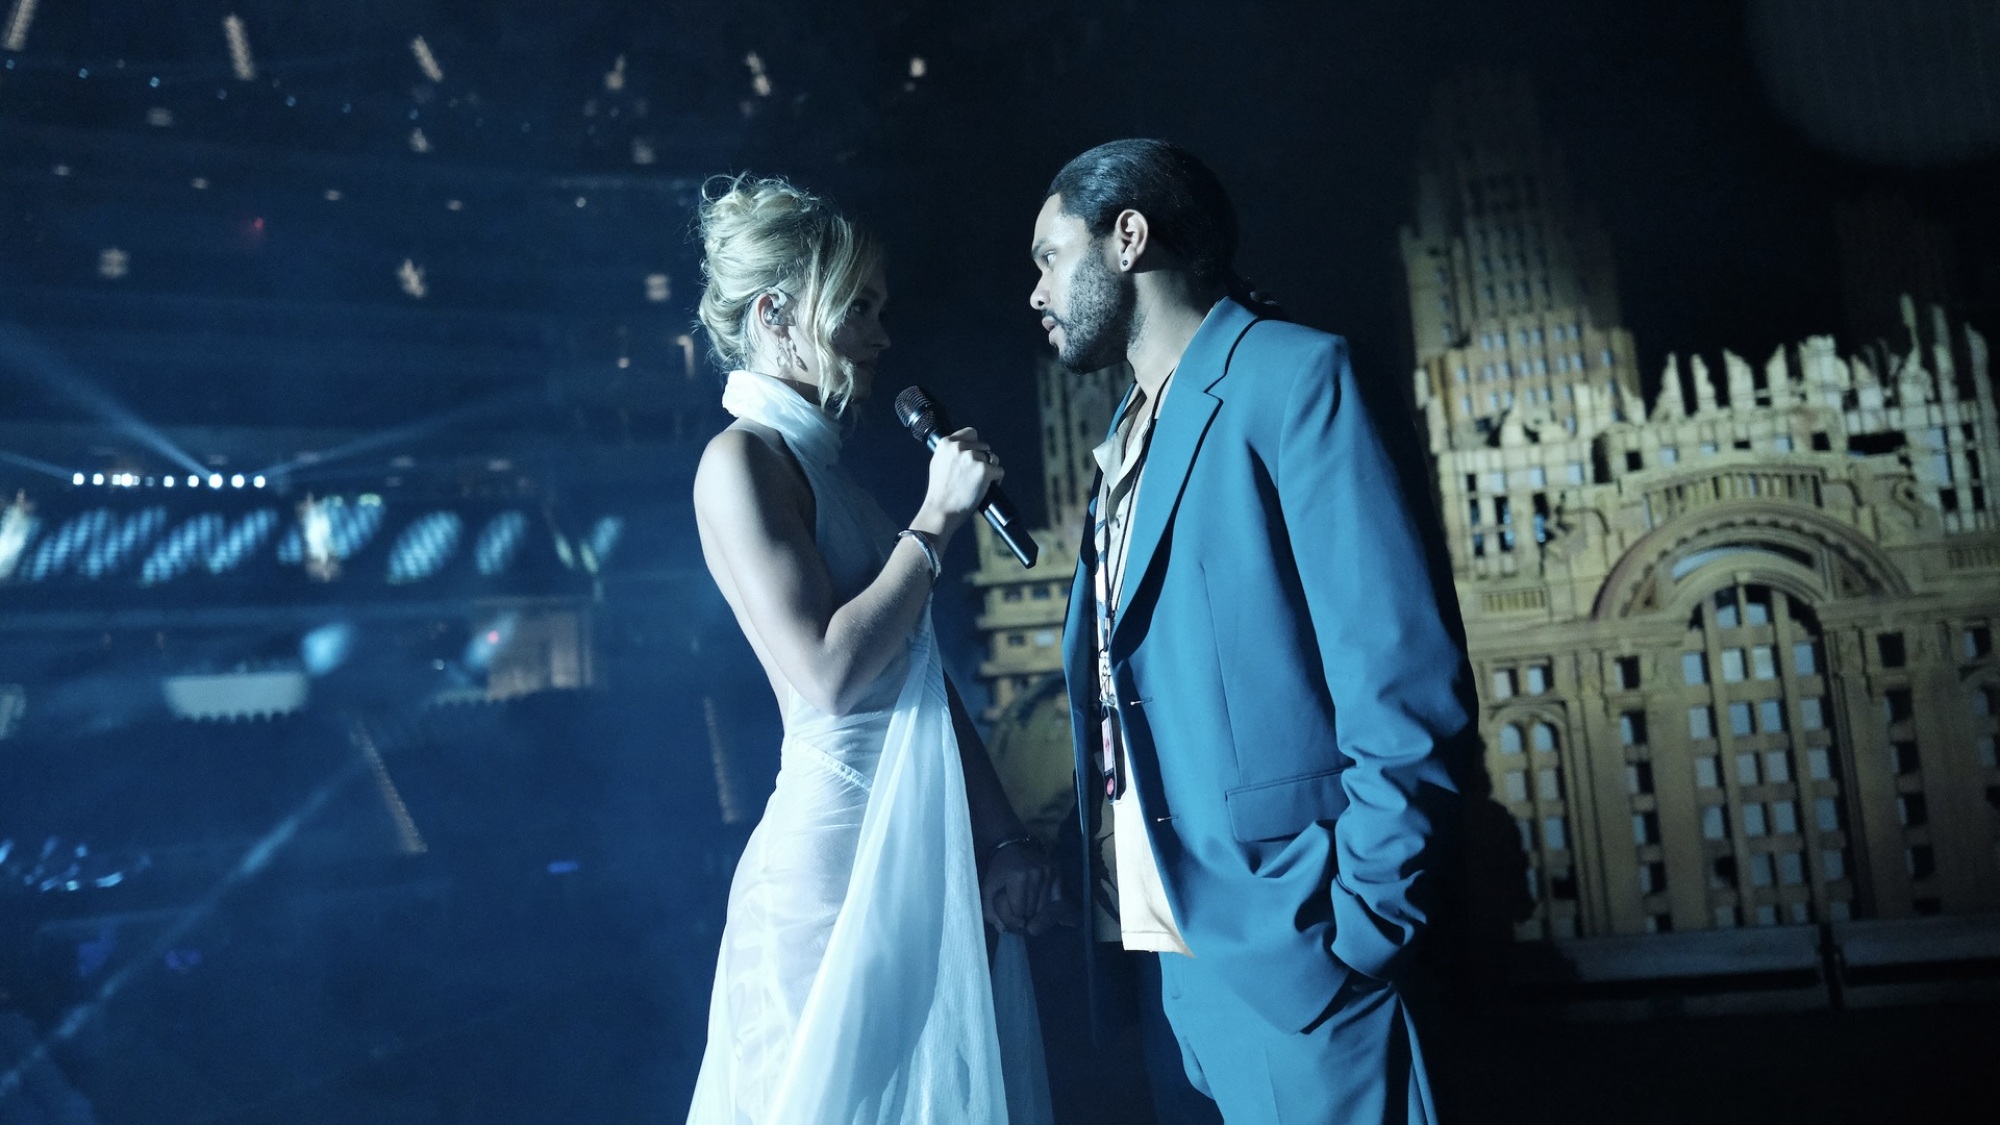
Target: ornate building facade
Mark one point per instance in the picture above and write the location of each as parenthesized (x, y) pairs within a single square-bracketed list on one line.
[(1735, 644)]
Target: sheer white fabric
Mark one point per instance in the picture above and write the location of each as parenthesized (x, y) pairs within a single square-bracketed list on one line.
[(852, 984)]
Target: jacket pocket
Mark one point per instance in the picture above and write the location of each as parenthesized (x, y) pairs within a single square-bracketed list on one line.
[(1275, 810)]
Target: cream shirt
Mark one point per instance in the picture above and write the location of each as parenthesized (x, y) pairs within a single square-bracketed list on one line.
[(1145, 917)]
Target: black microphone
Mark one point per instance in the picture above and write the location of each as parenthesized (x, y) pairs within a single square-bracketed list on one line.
[(927, 422)]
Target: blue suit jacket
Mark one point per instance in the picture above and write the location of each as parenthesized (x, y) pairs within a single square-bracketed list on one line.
[(1290, 669)]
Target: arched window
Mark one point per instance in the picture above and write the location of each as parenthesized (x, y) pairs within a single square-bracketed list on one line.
[(1510, 739), (1544, 737)]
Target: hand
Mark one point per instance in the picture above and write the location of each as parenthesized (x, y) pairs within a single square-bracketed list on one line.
[(1015, 888), (962, 469)]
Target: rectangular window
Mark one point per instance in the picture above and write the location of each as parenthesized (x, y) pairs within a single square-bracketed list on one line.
[(1694, 667), (1645, 830), (1652, 876), (1739, 718), (1791, 868), (1503, 683), (1832, 865), (1753, 821), (1903, 758), (1632, 728), (1626, 669), (1757, 607), (1732, 665), (1812, 714), (1746, 769), (1548, 785), (1707, 772), (1527, 828), (1726, 918), (1496, 481), (1714, 826), (1819, 766), (1889, 646), (1574, 472), (1803, 662), (1639, 778), (1708, 449), (1767, 914), (1764, 662), (1669, 455), (1538, 678), (1784, 818), (1922, 861), (1538, 477), (1777, 766), (1771, 715), (1978, 642), (1896, 705), (1725, 609), (1516, 785), (1912, 811), (1555, 833), (1826, 814), (1988, 754), (1763, 872), (1701, 723), (1782, 443)]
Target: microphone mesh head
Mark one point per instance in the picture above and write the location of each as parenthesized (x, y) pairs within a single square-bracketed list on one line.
[(917, 412)]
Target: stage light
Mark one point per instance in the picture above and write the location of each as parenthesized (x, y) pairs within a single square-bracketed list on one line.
[(239, 48), (18, 23), (160, 116), (257, 481), (424, 547), (194, 481), (248, 534), (918, 67), (177, 551), (215, 480), (419, 142), (236, 481), (97, 478), (658, 287), (580, 201), (199, 183), (499, 542), (760, 82), (411, 275), (60, 169), (614, 79), (453, 205), (76, 478), (113, 263), (332, 195), (426, 61), (167, 481)]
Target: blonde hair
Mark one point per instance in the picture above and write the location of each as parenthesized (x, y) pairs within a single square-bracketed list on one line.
[(762, 235)]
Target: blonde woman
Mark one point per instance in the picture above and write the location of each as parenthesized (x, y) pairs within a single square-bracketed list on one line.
[(852, 982)]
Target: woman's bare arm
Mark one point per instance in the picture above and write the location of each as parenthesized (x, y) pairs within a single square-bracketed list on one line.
[(753, 511)]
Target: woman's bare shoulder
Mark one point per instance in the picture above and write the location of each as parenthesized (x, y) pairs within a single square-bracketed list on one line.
[(747, 462)]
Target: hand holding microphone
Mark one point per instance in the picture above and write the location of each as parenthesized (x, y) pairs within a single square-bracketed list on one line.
[(928, 423)]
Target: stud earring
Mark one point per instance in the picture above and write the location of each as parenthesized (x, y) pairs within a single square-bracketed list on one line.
[(1125, 263)]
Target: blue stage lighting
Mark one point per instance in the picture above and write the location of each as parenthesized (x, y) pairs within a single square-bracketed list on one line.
[(499, 542), (181, 547), (424, 546)]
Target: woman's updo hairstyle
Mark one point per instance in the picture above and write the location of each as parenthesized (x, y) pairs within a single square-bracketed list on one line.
[(762, 235)]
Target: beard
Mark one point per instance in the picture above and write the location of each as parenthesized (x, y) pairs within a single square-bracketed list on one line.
[(1102, 311)]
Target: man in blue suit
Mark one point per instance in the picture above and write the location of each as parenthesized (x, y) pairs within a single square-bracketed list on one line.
[(1265, 661)]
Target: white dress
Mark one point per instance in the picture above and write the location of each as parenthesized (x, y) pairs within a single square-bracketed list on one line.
[(852, 985)]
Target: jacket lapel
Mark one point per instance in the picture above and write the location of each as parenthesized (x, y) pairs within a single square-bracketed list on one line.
[(1177, 435)]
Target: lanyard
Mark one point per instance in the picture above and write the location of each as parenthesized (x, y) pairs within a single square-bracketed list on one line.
[(1112, 554)]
